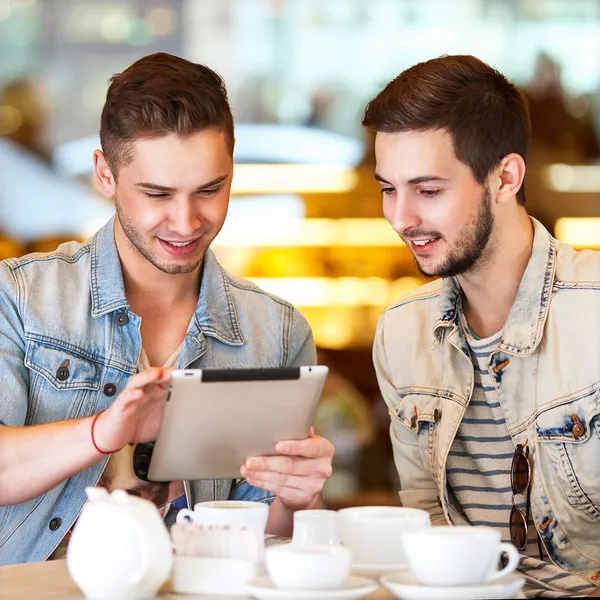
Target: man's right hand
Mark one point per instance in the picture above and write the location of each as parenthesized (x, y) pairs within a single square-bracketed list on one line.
[(136, 413), (35, 459)]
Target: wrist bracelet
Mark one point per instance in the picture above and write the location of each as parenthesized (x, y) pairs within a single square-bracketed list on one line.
[(93, 439)]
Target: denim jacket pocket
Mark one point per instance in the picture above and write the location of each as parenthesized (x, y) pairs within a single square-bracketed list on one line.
[(420, 414), (62, 384), (568, 437), (62, 366)]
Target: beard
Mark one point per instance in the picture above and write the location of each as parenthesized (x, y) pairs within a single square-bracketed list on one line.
[(139, 243), (473, 239)]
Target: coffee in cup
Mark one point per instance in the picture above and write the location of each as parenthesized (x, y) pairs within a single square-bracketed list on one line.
[(227, 512)]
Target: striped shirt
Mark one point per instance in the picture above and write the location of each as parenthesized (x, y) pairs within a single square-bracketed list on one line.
[(478, 472)]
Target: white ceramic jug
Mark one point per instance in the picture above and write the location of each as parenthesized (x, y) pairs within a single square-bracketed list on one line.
[(120, 548)]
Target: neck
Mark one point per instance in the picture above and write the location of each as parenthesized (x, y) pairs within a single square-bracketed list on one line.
[(490, 289), (146, 283)]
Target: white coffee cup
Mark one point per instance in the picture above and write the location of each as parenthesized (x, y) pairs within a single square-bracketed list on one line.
[(227, 512), (445, 556), (305, 567), (374, 533), (315, 527)]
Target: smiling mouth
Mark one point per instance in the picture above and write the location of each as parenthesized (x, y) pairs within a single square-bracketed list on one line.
[(423, 246), (178, 244), (180, 249)]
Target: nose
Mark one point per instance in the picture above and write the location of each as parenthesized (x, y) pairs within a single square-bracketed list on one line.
[(184, 218), (402, 213)]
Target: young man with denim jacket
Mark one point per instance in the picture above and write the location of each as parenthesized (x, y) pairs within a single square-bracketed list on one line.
[(90, 332), (491, 373)]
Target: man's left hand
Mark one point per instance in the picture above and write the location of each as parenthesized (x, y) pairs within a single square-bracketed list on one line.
[(297, 475)]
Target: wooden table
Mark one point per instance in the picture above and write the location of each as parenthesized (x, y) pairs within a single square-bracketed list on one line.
[(50, 580)]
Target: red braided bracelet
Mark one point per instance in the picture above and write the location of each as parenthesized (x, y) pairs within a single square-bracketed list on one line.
[(93, 440)]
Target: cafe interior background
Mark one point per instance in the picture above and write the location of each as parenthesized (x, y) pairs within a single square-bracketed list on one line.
[(305, 220)]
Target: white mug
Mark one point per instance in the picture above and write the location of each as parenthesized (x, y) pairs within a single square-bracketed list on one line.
[(306, 567), (445, 556), (315, 527), (227, 512), (374, 533)]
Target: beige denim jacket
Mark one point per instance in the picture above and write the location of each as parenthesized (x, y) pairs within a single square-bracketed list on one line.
[(547, 370)]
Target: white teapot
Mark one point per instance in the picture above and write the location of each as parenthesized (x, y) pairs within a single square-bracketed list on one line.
[(120, 548)]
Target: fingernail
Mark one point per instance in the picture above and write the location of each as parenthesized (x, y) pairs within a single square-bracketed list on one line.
[(252, 463), (282, 447)]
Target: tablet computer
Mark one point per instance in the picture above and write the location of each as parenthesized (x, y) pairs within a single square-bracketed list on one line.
[(215, 419)]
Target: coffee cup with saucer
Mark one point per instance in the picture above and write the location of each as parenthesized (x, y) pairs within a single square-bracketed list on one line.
[(456, 562), (303, 571)]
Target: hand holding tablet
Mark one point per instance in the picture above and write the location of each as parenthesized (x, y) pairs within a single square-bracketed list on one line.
[(214, 420), (297, 476)]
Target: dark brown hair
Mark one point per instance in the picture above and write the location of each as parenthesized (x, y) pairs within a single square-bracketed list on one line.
[(158, 95), (485, 114)]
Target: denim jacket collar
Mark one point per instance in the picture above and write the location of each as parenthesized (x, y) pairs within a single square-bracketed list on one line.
[(215, 313), (525, 323)]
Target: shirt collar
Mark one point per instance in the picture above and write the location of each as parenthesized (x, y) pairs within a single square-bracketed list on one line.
[(524, 326)]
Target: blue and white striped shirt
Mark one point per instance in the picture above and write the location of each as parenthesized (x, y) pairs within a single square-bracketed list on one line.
[(478, 474)]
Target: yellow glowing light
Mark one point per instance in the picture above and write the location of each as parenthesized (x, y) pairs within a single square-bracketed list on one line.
[(578, 232), (333, 334), (404, 286), (573, 178), (342, 291), (308, 233), (10, 119), (295, 179)]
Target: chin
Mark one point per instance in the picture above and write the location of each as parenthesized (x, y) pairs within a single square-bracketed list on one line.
[(179, 269)]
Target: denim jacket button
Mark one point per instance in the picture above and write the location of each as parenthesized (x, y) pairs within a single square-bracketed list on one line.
[(54, 524), (62, 373), (110, 389), (122, 318), (578, 429), (437, 415)]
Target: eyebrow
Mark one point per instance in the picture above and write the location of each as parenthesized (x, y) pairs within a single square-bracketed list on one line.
[(416, 180), (163, 188)]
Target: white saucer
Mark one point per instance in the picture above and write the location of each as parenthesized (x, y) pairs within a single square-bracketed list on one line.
[(354, 587), (404, 585), (376, 571)]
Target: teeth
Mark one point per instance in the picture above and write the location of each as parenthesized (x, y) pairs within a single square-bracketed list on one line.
[(179, 244), (421, 243)]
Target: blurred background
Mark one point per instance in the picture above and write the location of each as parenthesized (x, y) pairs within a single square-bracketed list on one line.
[(305, 219)]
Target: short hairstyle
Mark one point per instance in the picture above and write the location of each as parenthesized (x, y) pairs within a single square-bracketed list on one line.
[(158, 95), (486, 115)]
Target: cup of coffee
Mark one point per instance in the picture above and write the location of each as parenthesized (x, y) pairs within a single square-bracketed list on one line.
[(374, 534), (452, 556), (227, 512)]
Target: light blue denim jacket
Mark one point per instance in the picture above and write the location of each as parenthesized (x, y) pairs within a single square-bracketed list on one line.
[(70, 305), (547, 374)]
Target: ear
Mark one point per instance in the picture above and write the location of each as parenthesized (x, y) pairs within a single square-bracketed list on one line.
[(104, 177), (510, 173)]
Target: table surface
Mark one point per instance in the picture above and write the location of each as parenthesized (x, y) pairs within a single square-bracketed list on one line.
[(45, 580)]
